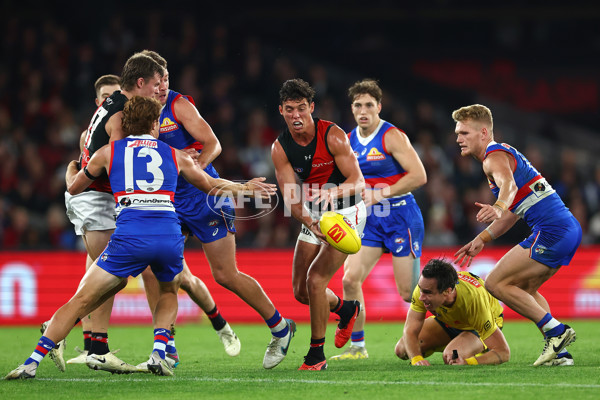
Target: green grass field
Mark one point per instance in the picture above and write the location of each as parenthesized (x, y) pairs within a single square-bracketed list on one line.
[(207, 372)]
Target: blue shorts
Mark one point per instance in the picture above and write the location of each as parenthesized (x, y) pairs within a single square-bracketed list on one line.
[(397, 228), (130, 255), (209, 218), (554, 244)]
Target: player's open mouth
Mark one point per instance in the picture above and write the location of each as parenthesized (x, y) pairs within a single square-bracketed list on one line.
[(297, 124)]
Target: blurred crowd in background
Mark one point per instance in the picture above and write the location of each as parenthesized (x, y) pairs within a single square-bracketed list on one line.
[(234, 74)]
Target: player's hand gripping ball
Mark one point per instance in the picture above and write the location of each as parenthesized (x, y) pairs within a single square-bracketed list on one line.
[(339, 232)]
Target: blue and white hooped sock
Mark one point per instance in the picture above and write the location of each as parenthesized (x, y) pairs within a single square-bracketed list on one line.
[(171, 345), (278, 325), (358, 338), (550, 327), (43, 347), (161, 338)]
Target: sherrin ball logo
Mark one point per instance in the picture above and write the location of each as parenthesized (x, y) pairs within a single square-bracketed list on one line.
[(339, 232)]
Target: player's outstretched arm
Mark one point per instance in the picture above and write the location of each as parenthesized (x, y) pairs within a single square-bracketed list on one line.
[(464, 256), (195, 175)]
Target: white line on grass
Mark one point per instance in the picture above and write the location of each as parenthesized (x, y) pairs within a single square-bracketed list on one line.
[(324, 382)]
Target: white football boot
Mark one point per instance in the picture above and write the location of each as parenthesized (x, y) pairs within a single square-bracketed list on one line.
[(230, 341)]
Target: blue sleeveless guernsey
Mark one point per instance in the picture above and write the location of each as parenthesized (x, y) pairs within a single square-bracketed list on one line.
[(174, 134), (143, 175)]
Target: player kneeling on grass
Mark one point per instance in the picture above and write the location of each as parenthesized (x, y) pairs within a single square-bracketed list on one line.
[(143, 174), (466, 322)]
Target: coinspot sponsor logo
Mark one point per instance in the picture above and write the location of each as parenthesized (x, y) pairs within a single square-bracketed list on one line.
[(245, 204)]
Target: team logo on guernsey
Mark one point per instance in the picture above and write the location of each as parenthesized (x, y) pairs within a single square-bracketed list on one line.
[(168, 126), (125, 202), (539, 187), (375, 155), (298, 170)]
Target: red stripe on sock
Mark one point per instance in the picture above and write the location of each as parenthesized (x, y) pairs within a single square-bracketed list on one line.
[(276, 323), (161, 338), (41, 349)]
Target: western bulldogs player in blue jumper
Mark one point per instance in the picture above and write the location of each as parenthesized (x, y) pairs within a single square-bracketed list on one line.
[(522, 193), (143, 174), (392, 169)]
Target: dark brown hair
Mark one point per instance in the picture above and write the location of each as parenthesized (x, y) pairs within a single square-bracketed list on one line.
[(139, 66), (366, 86), (296, 89), (106, 80)]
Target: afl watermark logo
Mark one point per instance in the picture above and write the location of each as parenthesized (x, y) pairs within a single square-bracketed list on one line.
[(256, 203)]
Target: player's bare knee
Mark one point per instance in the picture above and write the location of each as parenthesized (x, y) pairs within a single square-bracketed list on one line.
[(301, 297), (186, 282), (224, 279), (400, 350), (83, 302), (314, 284), (351, 284)]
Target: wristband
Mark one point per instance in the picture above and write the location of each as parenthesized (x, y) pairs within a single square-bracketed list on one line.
[(471, 361), (87, 173), (485, 236), (488, 230), (501, 205), (416, 359)]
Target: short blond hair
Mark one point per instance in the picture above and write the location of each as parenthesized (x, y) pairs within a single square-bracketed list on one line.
[(475, 112)]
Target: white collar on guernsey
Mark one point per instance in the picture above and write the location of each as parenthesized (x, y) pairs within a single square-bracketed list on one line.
[(366, 140), (144, 136), (490, 143)]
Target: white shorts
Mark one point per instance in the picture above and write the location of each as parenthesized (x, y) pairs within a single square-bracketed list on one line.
[(91, 211), (356, 214)]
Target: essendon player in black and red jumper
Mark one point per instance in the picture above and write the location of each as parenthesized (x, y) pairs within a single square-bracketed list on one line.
[(319, 153)]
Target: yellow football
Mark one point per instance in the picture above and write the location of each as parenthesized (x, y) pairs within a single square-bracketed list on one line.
[(339, 232)]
